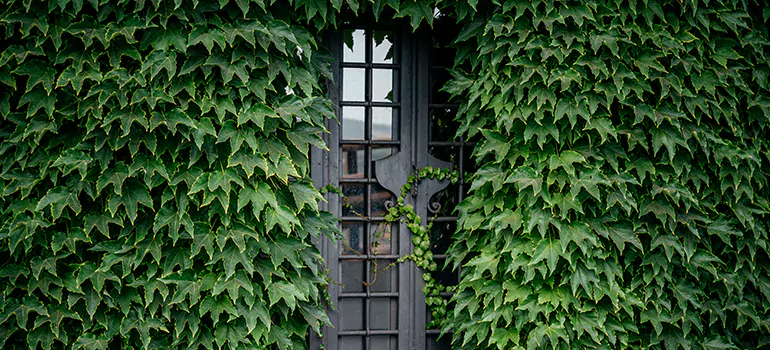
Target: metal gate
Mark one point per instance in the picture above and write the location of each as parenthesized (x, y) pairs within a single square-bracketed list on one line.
[(392, 121)]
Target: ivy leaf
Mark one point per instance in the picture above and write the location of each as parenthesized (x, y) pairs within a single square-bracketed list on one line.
[(305, 195), (484, 262), (158, 61), (547, 250), (249, 162), (21, 310), (525, 177), (59, 198), (303, 135), (162, 39), (282, 216), (565, 160), (115, 176), (37, 99), (507, 218), (39, 73), (256, 114), (286, 248), (208, 37), (489, 173), (285, 291), (41, 335), (258, 196), (590, 181), (92, 341), (130, 199), (233, 284)]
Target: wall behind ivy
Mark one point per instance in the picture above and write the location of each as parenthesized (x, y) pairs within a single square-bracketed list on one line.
[(621, 200)]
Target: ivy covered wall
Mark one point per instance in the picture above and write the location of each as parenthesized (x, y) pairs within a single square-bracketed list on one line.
[(621, 200), (155, 186)]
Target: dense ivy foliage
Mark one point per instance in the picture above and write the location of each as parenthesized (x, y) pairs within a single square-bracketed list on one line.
[(155, 192), (154, 168), (622, 194)]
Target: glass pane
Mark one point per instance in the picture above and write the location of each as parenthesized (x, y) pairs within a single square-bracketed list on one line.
[(383, 314), (355, 49), (384, 276), (441, 236), (384, 342), (381, 235), (446, 153), (438, 78), (353, 84), (353, 199), (352, 314), (353, 162), (384, 123), (351, 343), (443, 203), (352, 276), (443, 343), (353, 238), (442, 124), (353, 123), (381, 152), (445, 275), (382, 51), (382, 85), (381, 198)]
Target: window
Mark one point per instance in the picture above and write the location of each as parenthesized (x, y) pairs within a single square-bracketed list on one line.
[(393, 120)]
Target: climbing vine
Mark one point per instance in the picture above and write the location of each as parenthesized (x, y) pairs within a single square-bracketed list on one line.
[(422, 254)]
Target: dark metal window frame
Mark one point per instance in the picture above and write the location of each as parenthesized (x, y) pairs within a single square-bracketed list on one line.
[(415, 106)]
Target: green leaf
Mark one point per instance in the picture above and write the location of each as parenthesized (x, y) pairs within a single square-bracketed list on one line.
[(305, 195), (233, 285), (59, 198), (589, 180), (525, 177), (37, 99), (21, 310), (116, 176), (484, 262), (39, 73), (256, 114), (282, 216), (565, 160), (547, 250), (134, 195), (285, 291)]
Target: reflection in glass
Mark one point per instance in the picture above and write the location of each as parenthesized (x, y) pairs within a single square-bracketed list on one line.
[(439, 78), (382, 51), (355, 49), (352, 342), (384, 123), (383, 314), (443, 126), (379, 197), (384, 278), (382, 85), (353, 200), (353, 84), (384, 342), (441, 236), (382, 234), (353, 162), (353, 274), (352, 312), (353, 238), (353, 123)]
